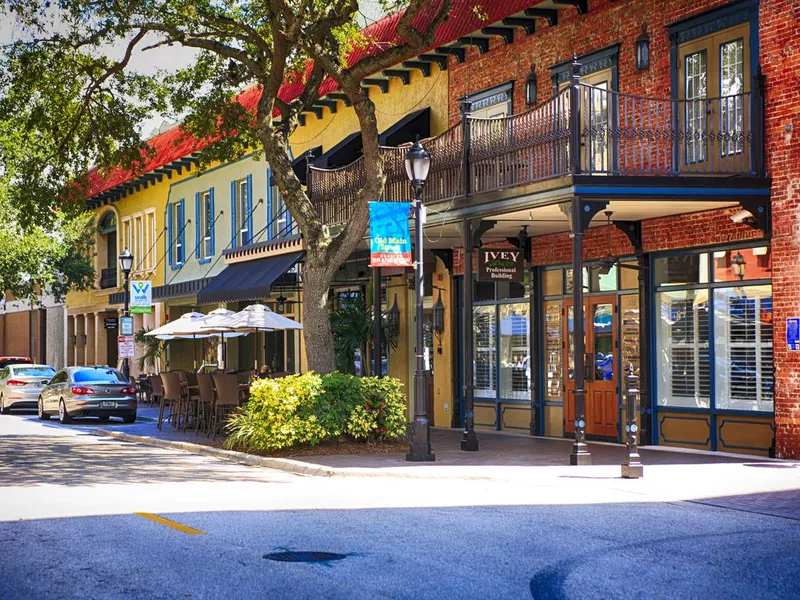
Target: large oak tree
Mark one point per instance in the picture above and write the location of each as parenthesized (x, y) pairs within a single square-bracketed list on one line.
[(60, 85)]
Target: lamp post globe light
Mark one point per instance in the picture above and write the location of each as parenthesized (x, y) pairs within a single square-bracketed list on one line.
[(126, 263), (418, 163)]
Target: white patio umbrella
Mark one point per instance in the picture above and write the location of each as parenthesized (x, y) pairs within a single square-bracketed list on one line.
[(257, 317), (187, 326), (214, 323)]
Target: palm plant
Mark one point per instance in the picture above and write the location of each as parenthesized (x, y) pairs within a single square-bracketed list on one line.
[(352, 330), (153, 350)]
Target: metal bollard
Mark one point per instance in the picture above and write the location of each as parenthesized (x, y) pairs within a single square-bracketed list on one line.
[(632, 467)]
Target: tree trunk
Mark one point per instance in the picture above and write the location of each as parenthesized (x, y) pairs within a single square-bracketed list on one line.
[(316, 317)]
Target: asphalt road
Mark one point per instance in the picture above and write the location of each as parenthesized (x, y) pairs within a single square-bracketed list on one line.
[(83, 517)]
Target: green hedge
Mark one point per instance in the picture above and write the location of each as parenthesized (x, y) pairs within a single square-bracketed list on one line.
[(309, 408)]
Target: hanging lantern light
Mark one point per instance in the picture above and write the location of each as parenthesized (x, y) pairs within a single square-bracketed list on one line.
[(643, 49), (393, 318), (438, 315), (280, 305)]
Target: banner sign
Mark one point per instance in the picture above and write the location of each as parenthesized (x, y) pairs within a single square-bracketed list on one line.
[(500, 264), (141, 297), (389, 234), (126, 346)]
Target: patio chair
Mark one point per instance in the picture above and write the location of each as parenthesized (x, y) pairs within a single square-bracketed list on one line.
[(205, 404), (243, 376), (226, 400), (190, 396), (156, 390), (141, 389), (172, 398)]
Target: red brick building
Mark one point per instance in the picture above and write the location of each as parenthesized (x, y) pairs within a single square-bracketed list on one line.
[(678, 121)]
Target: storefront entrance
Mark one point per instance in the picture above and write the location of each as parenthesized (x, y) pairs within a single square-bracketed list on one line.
[(601, 367)]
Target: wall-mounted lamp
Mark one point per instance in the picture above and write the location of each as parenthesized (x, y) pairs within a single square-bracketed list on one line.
[(74, 340), (738, 265), (393, 318), (437, 311), (84, 338), (280, 305), (531, 89), (643, 49)]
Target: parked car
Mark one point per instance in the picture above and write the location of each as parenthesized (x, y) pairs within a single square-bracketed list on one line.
[(20, 385), (88, 392), (14, 360)]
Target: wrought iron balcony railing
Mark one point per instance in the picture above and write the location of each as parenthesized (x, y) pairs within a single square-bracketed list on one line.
[(582, 130)]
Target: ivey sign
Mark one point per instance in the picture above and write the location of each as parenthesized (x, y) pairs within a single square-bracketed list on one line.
[(141, 297), (500, 264)]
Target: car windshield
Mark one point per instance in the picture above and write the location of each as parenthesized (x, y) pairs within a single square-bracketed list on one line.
[(97, 376), (35, 371), (13, 361)]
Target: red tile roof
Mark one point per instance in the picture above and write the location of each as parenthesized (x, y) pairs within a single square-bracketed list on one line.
[(175, 144)]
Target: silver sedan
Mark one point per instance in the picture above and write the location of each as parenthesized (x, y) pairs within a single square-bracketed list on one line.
[(88, 392), (20, 385)]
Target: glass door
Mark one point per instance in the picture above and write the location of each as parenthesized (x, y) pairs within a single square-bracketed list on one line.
[(600, 367)]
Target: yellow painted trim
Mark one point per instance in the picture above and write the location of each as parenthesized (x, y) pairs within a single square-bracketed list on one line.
[(156, 519)]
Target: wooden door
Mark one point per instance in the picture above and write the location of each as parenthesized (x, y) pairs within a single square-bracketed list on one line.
[(714, 112), (601, 398), (600, 360)]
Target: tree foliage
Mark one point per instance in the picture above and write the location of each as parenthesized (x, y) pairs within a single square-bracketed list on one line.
[(75, 106)]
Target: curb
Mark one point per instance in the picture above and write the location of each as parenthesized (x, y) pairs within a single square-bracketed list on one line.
[(287, 465)]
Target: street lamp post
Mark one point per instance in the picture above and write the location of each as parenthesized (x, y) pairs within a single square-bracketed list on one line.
[(126, 263), (418, 163)]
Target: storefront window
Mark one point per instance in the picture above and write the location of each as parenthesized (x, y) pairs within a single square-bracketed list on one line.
[(515, 367), (603, 282), (682, 347), (742, 265), (485, 342), (628, 278), (743, 348), (554, 369), (629, 308), (568, 279), (683, 269), (553, 282)]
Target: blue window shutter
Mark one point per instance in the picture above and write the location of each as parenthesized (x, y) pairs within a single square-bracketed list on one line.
[(182, 225), (198, 233), (233, 214), (212, 216), (288, 221), (269, 204), (249, 208), (170, 236)]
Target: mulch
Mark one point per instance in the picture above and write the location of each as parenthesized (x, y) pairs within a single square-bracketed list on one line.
[(326, 448)]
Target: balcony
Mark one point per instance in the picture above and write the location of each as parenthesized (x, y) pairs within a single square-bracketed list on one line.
[(108, 278), (583, 130)]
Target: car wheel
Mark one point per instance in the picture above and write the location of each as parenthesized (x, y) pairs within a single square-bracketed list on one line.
[(63, 415), (129, 418), (3, 408), (43, 416)]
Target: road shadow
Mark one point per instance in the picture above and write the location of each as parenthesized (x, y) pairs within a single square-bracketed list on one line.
[(77, 461)]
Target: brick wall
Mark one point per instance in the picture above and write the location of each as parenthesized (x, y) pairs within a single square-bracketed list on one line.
[(780, 62), (608, 22)]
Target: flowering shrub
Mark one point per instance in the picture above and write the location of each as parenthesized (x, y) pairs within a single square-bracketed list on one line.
[(309, 408)]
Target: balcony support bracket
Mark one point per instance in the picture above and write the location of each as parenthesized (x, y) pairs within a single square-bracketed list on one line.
[(760, 209), (633, 231)]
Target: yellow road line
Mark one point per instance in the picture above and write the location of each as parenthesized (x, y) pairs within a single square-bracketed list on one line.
[(168, 523)]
